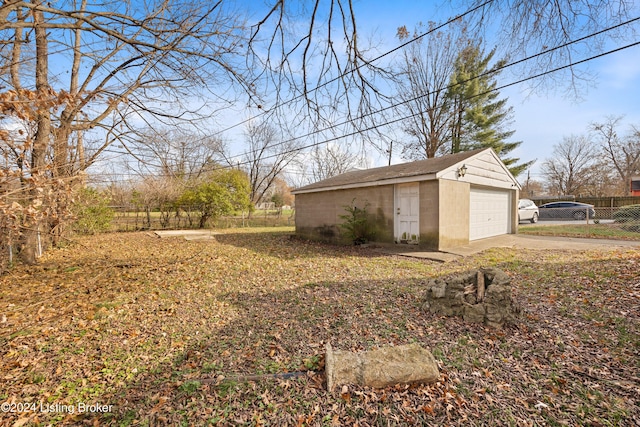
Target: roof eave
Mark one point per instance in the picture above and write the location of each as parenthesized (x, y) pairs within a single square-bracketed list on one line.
[(392, 181)]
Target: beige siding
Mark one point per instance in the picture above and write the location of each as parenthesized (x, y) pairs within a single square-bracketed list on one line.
[(429, 214), (318, 214), (454, 214), (515, 194)]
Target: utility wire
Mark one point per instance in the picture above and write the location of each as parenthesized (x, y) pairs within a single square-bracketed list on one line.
[(235, 159), (346, 73), (392, 106), (573, 64), (356, 132)]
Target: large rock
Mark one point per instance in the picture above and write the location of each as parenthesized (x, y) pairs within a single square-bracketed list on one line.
[(380, 368)]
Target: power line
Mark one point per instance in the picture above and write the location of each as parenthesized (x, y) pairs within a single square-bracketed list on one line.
[(392, 106), (573, 64), (547, 51), (325, 141), (389, 52), (346, 73)]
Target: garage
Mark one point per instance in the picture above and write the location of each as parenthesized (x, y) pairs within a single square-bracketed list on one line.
[(438, 203), (489, 213)]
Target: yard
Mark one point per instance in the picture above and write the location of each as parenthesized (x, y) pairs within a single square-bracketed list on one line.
[(161, 332), (580, 229)]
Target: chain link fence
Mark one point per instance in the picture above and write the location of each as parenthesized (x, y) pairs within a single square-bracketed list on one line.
[(128, 219), (587, 221)]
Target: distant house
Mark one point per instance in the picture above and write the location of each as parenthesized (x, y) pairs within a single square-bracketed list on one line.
[(263, 206), (438, 203), (635, 186)]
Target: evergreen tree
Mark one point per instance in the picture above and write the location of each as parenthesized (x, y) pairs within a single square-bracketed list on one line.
[(480, 119)]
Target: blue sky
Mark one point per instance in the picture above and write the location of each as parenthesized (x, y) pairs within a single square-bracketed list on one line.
[(541, 119)]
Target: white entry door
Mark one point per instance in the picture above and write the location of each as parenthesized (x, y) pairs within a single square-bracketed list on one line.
[(407, 224), (489, 213)]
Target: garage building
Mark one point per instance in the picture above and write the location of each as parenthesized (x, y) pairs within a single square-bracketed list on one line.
[(438, 203)]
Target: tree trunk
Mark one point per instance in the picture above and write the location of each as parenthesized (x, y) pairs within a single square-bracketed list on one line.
[(148, 210), (203, 220), (31, 238)]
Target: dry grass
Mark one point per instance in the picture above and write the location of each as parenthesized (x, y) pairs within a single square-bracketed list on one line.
[(159, 329), (598, 231)]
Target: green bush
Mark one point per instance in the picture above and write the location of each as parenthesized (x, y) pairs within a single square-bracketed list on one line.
[(223, 193), (630, 213), (92, 212), (356, 224)]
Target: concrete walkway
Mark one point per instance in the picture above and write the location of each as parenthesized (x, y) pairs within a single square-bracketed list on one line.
[(511, 241), (187, 234)]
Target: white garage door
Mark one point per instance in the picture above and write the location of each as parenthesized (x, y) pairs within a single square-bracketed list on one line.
[(490, 213)]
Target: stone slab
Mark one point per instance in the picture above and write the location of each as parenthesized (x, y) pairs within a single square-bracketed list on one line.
[(382, 367)]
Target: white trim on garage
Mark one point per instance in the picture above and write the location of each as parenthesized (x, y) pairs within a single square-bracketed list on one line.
[(489, 213)]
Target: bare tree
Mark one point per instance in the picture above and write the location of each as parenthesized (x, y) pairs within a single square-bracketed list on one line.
[(331, 160), (532, 189), (171, 161), (315, 51), (621, 152), (176, 153), (121, 64), (281, 195), (573, 167), (557, 28), (97, 71), (424, 74), (265, 158)]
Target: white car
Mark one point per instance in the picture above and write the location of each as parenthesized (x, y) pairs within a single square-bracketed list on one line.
[(527, 211)]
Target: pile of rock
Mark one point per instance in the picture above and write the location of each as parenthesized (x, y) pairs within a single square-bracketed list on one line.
[(479, 296)]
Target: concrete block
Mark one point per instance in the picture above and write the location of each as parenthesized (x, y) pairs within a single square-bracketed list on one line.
[(381, 367)]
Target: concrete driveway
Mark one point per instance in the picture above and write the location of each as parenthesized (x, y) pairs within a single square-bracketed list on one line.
[(513, 241), (564, 222), (542, 243)]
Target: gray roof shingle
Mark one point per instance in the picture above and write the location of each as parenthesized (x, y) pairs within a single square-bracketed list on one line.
[(403, 170)]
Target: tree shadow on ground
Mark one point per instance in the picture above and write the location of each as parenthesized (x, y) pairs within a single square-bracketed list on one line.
[(539, 369), (286, 245), (571, 359)]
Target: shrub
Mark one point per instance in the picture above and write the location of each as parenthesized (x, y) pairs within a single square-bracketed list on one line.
[(356, 223), (628, 213), (92, 212), (224, 192)]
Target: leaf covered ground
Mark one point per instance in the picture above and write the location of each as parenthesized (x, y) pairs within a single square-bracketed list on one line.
[(166, 331)]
